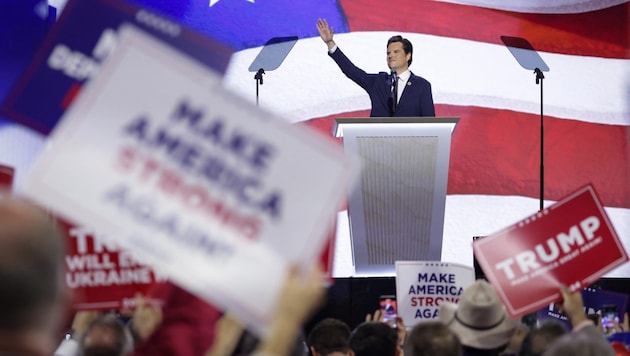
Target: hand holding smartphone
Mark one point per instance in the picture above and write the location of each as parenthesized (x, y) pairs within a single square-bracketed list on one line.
[(389, 308), (610, 318)]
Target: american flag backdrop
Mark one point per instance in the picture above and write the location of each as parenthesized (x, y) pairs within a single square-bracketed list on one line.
[(495, 156)]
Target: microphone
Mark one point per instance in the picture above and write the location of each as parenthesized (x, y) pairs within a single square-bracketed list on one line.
[(539, 75), (394, 79)]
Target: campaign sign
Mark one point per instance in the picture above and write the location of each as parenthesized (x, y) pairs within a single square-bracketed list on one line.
[(421, 286), (100, 275), (220, 195), (572, 243), (75, 49), (327, 256), (6, 177), (595, 301)]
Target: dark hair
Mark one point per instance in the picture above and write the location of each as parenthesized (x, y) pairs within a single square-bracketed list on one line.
[(122, 342), (579, 344), (432, 338), (545, 334), (374, 339), (407, 46), (473, 351), (31, 265), (328, 336), (248, 342)]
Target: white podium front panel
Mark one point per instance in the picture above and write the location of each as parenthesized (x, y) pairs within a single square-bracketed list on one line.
[(397, 211)]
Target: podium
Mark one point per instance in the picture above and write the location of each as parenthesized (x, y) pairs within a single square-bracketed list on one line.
[(396, 213)]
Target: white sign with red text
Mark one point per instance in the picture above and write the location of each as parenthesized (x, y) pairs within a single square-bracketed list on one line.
[(421, 286), (571, 242), (219, 195)]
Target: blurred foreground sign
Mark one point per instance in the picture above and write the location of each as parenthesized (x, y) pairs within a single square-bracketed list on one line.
[(572, 243), (217, 194)]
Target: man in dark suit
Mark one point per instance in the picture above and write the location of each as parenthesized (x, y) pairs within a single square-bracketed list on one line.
[(400, 93)]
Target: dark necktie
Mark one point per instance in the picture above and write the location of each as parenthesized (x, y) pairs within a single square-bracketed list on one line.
[(394, 94)]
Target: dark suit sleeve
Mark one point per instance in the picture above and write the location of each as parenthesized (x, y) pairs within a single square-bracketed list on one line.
[(351, 71), (417, 99)]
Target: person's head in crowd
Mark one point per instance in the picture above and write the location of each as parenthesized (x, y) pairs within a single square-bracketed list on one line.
[(544, 335), (329, 337), (479, 320), (374, 339), (34, 298), (578, 344), (516, 343), (248, 343), (541, 337), (106, 336), (432, 338)]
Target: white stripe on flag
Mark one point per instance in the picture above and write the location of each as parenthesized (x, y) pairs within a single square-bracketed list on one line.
[(19, 146), (476, 215), (541, 6), (308, 84)]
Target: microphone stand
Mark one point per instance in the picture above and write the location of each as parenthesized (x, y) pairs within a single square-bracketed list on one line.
[(270, 57), (259, 81), (528, 58), (539, 78)]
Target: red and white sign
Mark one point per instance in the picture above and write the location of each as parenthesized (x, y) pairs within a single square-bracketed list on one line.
[(572, 243), (102, 276)]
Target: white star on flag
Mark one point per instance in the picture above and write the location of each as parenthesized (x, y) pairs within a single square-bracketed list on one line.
[(213, 2)]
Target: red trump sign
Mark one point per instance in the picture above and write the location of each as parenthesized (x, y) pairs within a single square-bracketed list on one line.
[(571, 242)]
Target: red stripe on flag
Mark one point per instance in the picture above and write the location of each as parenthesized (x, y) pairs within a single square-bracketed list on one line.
[(497, 152), (602, 33)]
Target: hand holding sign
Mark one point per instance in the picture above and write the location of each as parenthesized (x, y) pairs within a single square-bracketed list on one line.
[(299, 298), (572, 306), (572, 243)]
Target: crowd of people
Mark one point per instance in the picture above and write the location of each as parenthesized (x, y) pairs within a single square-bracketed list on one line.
[(34, 312)]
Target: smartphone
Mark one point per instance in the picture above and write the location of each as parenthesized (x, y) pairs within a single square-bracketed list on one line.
[(610, 315), (388, 305)]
